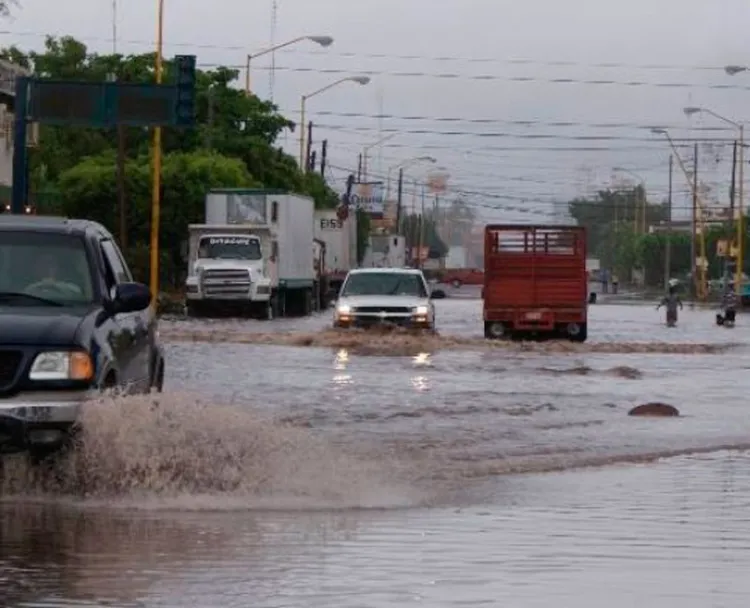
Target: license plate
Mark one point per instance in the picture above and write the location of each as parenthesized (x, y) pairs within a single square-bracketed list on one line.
[(533, 316)]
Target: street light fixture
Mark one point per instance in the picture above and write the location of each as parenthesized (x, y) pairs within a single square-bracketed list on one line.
[(369, 147), (734, 69), (405, 164), (324, 41), (691, 110), (361, 80)]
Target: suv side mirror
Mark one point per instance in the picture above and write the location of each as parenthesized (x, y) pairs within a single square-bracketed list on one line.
[(437, 294), (130, 297)]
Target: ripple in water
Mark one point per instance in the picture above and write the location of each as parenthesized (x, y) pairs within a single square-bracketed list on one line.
[(400, 342)]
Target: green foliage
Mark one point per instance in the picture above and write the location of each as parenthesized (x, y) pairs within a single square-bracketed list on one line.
[(412, 226), (73, 171), (612, 237), (89, 189)]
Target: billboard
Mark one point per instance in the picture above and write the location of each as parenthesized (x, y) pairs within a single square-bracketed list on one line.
[(369, 197), (437, 182)]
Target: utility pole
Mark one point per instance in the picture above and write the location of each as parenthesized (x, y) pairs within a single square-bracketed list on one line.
[(323, 157), (668, 252), (729, 262), (359, 169), (309, 145), (399, 198), (311, 162), (693, 235), (421, 232)]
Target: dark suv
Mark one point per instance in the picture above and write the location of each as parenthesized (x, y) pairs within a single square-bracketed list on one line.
[(72, 322)]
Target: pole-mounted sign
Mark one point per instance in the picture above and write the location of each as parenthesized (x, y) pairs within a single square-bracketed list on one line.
[(98, 105)]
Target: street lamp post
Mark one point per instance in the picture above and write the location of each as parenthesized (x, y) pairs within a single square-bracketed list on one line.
[(640, 199), (694, 188), (362, 80), (369, 147), (405, 164), (323, 41), (156, 160), (689, 111)]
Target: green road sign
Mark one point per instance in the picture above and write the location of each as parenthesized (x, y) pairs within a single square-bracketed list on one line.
[(99, 104), (108, 104)]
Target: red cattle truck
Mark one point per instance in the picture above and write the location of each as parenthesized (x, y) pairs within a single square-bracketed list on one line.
[(535, 282)]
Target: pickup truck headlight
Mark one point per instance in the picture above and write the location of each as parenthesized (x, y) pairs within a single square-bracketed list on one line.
[(344, 309), (421, 311), (62, 365)]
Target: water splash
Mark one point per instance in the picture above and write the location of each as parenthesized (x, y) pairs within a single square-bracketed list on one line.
[(177, 450)]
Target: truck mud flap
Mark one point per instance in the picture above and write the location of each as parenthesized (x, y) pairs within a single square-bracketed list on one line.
[(13, 435)]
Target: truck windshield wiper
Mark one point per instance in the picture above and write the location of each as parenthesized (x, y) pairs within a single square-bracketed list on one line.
[(12, 296)]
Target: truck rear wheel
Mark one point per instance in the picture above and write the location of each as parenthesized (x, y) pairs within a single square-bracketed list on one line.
[(495, 330), (577, 332)]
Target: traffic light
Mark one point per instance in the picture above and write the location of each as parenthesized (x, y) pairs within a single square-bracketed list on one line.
[(185, 108)]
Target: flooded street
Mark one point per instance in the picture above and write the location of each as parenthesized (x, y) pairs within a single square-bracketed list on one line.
[(472, 475)]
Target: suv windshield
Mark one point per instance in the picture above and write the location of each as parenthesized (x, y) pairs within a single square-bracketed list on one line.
[(229, 248), (38, 269), (384, 284)]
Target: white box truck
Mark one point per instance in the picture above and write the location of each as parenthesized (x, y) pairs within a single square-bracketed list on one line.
[(340, 247), (254, 254)]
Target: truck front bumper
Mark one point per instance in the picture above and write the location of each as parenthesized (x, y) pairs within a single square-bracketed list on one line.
[(39, 420), (372, 321)]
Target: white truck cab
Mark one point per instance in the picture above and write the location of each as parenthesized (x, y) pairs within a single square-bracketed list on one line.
[(228, 267)]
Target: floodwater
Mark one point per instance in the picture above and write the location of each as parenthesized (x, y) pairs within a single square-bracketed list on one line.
[(307, 477)]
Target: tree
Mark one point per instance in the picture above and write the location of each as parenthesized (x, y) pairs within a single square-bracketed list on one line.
[(89, 188), (232, 145), (416, 232)]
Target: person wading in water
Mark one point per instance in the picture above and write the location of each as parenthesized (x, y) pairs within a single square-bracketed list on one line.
[(671, 301)]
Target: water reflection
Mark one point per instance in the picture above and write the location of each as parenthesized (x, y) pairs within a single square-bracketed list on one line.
[(77, 555), (423, 359)]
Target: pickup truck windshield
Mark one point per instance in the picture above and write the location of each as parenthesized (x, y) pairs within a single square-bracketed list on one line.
[(229, 248), (384, 284), (44, 269)]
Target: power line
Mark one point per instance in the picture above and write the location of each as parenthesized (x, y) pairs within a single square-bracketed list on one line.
[(243, 48), (499, 196), (519, 123), (499, 78), (501, 135)]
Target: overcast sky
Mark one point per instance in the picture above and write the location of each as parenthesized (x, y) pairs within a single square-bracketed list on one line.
[(493, 135)]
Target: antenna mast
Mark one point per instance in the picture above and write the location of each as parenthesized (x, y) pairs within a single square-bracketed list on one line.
[(272, 71), (114, 27)]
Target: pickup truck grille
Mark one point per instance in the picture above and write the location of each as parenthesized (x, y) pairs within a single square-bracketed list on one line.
[(10, 360), (374, 310), (225, 282)]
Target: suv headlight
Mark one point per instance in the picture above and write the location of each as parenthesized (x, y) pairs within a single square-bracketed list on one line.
[(344, 309), (62, 365), (421, 311)]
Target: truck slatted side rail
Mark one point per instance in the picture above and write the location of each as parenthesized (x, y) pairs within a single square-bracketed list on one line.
[(535, 265), (539, 241)]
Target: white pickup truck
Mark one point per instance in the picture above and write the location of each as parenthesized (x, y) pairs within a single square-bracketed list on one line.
[(385, 296)]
